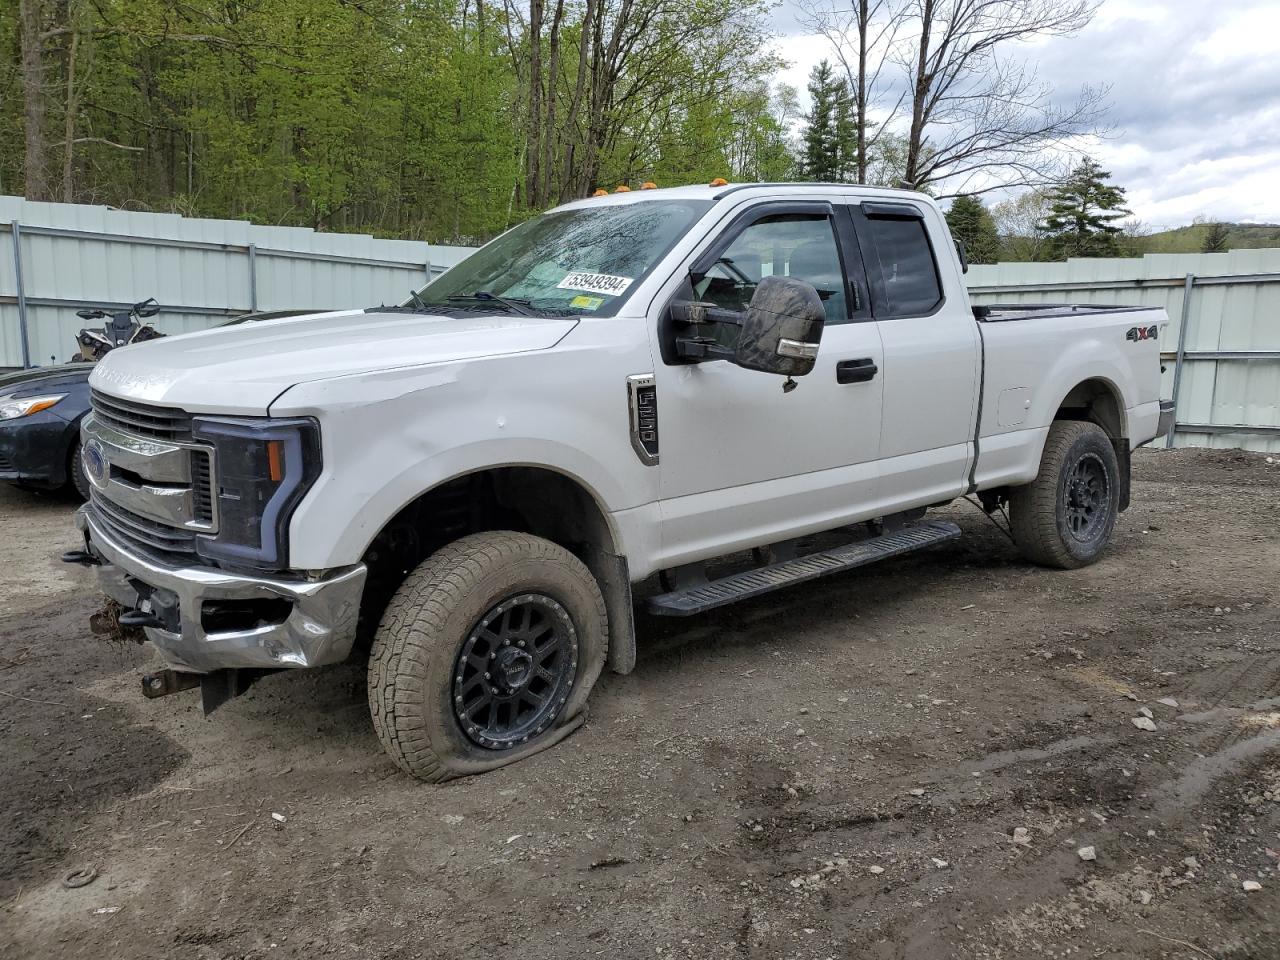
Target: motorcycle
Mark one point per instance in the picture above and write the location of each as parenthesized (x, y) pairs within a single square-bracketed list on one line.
[(122, 328)]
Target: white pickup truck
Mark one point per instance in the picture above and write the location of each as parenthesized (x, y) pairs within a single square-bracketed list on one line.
[(469, 487)]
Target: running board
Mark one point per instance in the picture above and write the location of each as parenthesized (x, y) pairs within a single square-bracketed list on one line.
[(752, 583)]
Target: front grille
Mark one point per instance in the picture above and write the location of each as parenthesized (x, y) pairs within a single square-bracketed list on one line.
[(201, 487), (160, 423), (149, 536)]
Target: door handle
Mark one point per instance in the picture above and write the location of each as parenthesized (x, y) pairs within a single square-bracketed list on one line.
[(856, 371)]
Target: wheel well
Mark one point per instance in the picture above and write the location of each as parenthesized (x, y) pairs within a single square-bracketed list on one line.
[(1097, 401), (1094, 400), (532, 500)]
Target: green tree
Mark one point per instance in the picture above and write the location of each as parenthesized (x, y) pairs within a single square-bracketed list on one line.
[(1083, 212), (972, 225), (1020, 225), (1215, 239), (828, 139), (444, 120)]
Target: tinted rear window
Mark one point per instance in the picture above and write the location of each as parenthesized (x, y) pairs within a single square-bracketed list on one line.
[(906, 262)]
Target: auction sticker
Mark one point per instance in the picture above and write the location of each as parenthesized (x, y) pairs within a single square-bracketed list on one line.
[(595, 283)]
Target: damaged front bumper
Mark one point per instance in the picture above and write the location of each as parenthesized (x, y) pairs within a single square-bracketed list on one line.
[(211, 619)]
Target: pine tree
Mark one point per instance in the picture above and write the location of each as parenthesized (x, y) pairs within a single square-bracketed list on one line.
[(972, 225), (1215, 239), (1082, 214), (828, 139), (846, 130)]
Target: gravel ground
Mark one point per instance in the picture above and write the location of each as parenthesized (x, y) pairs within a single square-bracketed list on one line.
[(897, 763)]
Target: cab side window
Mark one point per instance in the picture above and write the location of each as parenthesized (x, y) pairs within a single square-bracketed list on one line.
[(799, 245), (909, 272)]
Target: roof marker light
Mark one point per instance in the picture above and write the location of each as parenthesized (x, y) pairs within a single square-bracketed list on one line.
[(719, 182), (622, 188), (648, 185), (601, 193)]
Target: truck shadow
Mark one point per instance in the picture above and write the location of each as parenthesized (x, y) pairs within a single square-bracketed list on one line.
[(869, 599)]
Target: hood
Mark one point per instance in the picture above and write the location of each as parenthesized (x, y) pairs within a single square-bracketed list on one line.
[(241, 369), (23, 383)]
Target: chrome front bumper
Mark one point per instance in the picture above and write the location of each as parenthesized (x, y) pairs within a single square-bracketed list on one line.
[(319, 628)]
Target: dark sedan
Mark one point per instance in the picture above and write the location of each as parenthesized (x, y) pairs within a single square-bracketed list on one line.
[(40, 414)]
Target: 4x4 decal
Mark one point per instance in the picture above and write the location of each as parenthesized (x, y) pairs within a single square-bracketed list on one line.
[(1143, 333)]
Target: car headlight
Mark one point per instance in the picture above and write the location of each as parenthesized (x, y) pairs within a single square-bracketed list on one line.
[(11, 408), (262, 469)]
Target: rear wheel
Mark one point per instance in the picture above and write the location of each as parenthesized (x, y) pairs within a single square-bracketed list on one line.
[(1064, 518), (485, 654)]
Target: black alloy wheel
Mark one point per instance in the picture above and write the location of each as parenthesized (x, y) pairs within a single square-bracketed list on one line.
[(514, 671), (1086, 498)]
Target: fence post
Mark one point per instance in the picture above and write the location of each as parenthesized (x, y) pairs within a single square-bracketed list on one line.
[(1187, 287), (253, 278), (22, 293)]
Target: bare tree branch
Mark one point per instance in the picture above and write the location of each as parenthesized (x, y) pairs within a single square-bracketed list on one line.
[(978, 115)]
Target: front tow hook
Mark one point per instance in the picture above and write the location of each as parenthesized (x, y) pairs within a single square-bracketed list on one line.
[(82, 557), (141, 619)]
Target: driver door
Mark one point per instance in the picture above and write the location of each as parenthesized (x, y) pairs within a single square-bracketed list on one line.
[(743, 462)]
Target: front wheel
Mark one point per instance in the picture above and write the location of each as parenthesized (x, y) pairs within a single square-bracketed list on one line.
[(1064, 518), (487, 653)]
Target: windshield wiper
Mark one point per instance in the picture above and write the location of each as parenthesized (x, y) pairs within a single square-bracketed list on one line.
[(514, 304)]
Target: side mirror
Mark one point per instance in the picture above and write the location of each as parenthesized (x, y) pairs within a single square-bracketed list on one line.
[(781, 328)]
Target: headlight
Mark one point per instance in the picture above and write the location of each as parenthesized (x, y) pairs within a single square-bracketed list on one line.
[(11, 408), (262, 469)]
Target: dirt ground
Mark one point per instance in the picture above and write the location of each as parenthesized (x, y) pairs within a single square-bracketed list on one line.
[(836, 771)]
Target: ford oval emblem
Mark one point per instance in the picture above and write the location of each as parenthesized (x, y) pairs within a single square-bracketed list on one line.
[(95, 463)]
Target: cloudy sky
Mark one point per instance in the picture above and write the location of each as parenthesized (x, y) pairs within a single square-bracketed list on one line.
[(1194, 100)]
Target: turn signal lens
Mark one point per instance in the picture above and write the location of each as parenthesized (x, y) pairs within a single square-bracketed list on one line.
[(275, 460)]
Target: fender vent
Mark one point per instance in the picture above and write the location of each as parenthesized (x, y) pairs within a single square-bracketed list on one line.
[(642, 404)]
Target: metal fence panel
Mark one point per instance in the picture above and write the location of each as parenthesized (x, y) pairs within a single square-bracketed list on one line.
[(201, 271), (204, 271), (1228, 387)]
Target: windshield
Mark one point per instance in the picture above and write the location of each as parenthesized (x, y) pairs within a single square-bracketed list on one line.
[(581, 261)]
